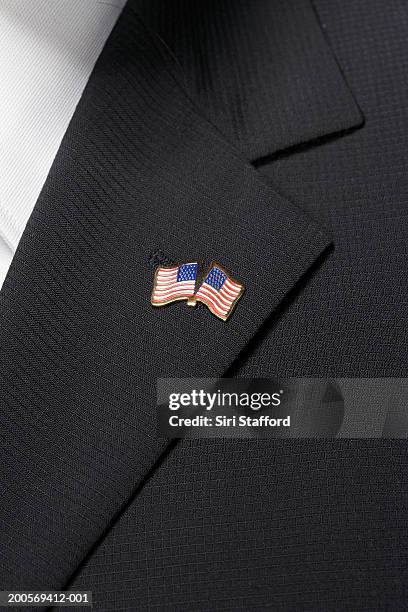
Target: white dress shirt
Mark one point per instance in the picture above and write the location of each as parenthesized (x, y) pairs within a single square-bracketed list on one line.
[(48, 49)]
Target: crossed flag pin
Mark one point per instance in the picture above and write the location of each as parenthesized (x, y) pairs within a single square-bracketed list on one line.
[(218, 291)]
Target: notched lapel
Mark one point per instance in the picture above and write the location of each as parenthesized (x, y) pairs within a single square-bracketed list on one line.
[(81, 346)]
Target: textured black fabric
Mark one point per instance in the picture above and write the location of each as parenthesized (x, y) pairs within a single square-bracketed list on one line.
[(260, 70), (139, 169), (213, 525), (247, 525)]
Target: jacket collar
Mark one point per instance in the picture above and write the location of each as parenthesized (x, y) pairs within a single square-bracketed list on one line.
[(139, 169), (265, 76)]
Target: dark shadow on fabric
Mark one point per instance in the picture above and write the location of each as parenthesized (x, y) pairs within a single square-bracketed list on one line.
[(305, 146), (275, 316)]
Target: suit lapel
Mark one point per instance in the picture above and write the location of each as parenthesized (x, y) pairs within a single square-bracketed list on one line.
[(139, 170)]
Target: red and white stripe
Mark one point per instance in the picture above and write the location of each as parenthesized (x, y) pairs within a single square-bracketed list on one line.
[(220, 302), (166, 288)]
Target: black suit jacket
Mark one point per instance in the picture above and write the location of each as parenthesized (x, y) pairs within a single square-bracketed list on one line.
[(269, 136)]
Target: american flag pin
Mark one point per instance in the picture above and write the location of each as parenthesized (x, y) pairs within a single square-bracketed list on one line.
[(218, 290), (175, 283)]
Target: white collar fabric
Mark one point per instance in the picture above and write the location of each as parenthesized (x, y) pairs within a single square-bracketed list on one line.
[(48, 49)]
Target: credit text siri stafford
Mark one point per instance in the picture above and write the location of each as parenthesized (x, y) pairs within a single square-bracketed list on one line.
[(233, 421)]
